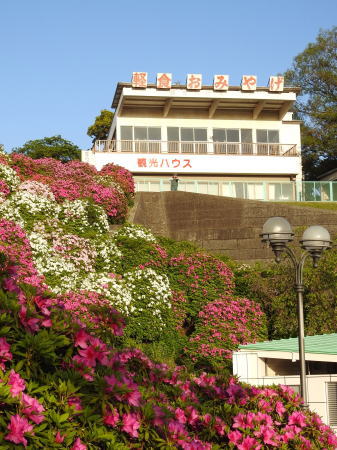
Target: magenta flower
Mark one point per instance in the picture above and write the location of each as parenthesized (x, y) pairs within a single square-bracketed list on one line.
[(5, 354), (78, 445), (297, 418), (249, 443), (131, 424), (18, 427), (111, 418), (180, 415), (75, 402), (17, 384), (59, 438), (234, 437), (32, 408), (279, 408)]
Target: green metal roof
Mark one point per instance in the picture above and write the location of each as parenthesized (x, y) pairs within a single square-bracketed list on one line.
[(324, 344)]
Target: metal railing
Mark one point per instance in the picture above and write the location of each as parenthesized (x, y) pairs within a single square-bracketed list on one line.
[(196, 147), (291, 191)]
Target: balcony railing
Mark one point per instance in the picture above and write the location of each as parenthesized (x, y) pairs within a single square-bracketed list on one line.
[(194, 147)]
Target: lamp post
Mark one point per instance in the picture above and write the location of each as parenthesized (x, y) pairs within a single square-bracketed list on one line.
[(277, 233)]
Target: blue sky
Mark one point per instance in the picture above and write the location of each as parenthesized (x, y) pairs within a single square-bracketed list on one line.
[(61, 59)]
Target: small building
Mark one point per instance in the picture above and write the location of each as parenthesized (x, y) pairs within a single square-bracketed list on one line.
[(331, 175), (238, 141), (277, 362)]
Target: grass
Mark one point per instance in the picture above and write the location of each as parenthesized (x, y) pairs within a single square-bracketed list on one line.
[(320, 205)]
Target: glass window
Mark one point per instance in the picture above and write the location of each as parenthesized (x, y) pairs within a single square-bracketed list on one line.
[(268, 136), (219, 135), (233, 135), (200, 134), (186, 134), (140, 133), (154, 134), (246, 135), (273, 136), (262, 136), (126, 133), (173, 134)]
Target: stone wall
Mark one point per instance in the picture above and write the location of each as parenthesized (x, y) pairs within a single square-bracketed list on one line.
[(222, 225)]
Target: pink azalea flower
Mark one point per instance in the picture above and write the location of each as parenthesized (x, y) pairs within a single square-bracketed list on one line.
[(180, 415), (81, 339), (131, 424), (111, 417), (18, 427), (249, 443), (59, 438), (75, 402), (280, 409), (159, 416), (234, 437), (297, 418), (17, 384), (219, 426), (78, 445), (5, 354), (32, 408)]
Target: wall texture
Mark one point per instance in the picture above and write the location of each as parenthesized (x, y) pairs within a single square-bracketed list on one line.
[(222, 225)]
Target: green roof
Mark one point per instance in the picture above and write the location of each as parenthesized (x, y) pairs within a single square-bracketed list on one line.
[(324, 344)]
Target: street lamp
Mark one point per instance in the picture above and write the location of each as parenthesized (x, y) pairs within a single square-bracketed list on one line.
[(277, 233)]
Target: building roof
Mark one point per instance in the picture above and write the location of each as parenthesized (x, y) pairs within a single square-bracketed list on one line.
[(322, 344), (121, 85)]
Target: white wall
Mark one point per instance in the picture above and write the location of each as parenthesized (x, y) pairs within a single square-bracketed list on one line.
[(250, 368), (197, 164)]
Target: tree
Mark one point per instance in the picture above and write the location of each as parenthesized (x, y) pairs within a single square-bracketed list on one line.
[(100, 128), (315, 71), (50, 147)]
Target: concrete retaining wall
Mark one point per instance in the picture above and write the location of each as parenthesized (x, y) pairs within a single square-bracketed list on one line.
[(222, 225)]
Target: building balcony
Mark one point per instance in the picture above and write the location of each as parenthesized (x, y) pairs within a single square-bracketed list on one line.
[(194, 147)]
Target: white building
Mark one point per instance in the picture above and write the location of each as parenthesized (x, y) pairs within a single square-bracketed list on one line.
[(228, 140), (277, 362)]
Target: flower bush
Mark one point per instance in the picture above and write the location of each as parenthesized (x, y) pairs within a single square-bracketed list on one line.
[(77, 300), (222, 326), (65, 383)]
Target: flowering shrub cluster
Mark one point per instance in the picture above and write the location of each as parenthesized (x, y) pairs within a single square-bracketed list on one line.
[(72, 181), (66, 383), (222, 326), (74, 297)]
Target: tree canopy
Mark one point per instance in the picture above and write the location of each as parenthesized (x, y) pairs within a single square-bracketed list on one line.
[(315, 71), (100, 128), (50, 147)]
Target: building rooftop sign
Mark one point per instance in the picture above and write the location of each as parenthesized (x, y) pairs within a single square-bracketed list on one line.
[(194, 82)]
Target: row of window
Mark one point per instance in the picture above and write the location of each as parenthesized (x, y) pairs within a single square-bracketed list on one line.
[(175, 134)]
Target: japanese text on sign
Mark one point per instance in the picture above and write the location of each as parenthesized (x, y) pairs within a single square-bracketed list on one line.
[(194, 81), (169, 163), (276, 84), (139, 79), (248, 82), (221, 82), (164, 80)]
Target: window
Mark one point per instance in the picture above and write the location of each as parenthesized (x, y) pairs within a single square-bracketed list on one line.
[(332, 403), (187, 140), (268, 142), (233, 141), (130, 134)]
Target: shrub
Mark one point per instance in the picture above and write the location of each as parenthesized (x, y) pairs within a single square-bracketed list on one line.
[(221, 327)]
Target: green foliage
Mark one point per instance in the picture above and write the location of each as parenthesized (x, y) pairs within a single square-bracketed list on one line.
[(272, 286), (319, 205), (50, 147), (100, 128), (314, 70)]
